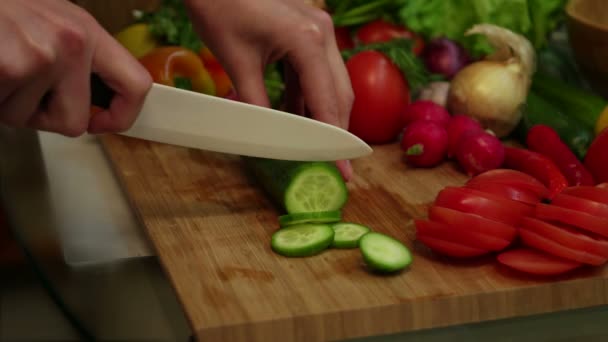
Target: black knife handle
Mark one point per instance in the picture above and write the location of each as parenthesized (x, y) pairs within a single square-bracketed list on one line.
[(101, 94)]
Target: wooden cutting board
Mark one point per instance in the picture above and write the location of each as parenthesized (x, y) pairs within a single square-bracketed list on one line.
[(211, 226)]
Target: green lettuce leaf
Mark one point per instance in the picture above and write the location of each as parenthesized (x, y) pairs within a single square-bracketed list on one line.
[(534, 19)]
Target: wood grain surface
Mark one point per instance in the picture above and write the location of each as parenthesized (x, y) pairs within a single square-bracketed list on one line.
[(211, 225)]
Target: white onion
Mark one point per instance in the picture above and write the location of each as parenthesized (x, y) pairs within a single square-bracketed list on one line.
[(494, 90)]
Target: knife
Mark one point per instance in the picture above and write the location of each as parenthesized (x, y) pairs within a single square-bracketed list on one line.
[(194, 120)]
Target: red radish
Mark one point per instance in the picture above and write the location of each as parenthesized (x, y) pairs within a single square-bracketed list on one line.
[(458, 125), (426, 110), (480, 151), (425, 143)]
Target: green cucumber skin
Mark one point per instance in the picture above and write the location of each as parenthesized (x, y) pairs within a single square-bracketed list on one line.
[(538, 110), (314, 217), (576, 103), (275, 176)]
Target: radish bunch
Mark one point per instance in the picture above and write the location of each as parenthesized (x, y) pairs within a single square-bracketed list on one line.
[(431, 136)]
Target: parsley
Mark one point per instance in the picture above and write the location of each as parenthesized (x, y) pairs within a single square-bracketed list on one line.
[(171, 25), (399, 51)]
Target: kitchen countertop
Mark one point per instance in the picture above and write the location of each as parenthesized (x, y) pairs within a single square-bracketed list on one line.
[(119, 291)]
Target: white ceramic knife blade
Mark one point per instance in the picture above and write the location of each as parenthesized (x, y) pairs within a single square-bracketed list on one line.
[(186, 118)]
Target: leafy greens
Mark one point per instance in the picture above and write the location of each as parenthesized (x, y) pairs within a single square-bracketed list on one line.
[(534, 19)]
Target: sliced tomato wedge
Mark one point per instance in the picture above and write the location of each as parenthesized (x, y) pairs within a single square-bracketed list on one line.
[(512, 177), (471, 222), (509, 191), (589, 192), (460, 236), (573, 218), (535, 240), (567, 236), (448, 248), (466, 200), (581, 204), (535, 262)]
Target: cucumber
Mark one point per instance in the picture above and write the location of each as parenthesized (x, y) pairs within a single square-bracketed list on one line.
[(300, 187), (348, 234), (302, 240), (383, 253), (538, 110), (312, 217), (575, 102)]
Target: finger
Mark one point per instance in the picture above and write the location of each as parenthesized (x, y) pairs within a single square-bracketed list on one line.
[(309, 61), (294, 101), (67, 107), (341, 79), (247, 74), (345, 97), (18, 108), (129, 80)]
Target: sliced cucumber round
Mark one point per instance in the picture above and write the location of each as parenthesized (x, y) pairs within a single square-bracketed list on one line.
[(316, 186), (312, 217), (384, 253), (302, 239), (348, 234)]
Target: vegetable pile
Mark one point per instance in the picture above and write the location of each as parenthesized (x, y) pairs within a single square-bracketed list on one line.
[(481, 84)]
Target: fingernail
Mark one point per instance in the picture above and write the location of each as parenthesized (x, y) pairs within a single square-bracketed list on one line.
[(346, 169)]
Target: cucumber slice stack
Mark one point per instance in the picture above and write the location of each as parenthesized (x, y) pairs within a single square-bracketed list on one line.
[(312, 195), (312, 217)]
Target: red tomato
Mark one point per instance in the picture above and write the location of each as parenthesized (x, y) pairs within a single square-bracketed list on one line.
[(448, 248), (381, 96), (593, 193), (581, 204), (521, 209), (569, 237), (535, 262), (500, 211), (470, 222), (343, 38), (511, 192), (574, 218), (514, 178), (596, 159), (461, 236), (382, 31), (537, 241)]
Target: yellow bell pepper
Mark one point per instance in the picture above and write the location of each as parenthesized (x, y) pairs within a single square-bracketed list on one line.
[(602, 121), (168, 62), (137, 38)]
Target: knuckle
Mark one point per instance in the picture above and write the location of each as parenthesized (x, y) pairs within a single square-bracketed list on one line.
[(324, 21), (124, 123), (312, 32), (73, 40), (13, 71)]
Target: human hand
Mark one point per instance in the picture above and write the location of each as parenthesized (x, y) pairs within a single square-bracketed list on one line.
[(247, 35), (50, 50)]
